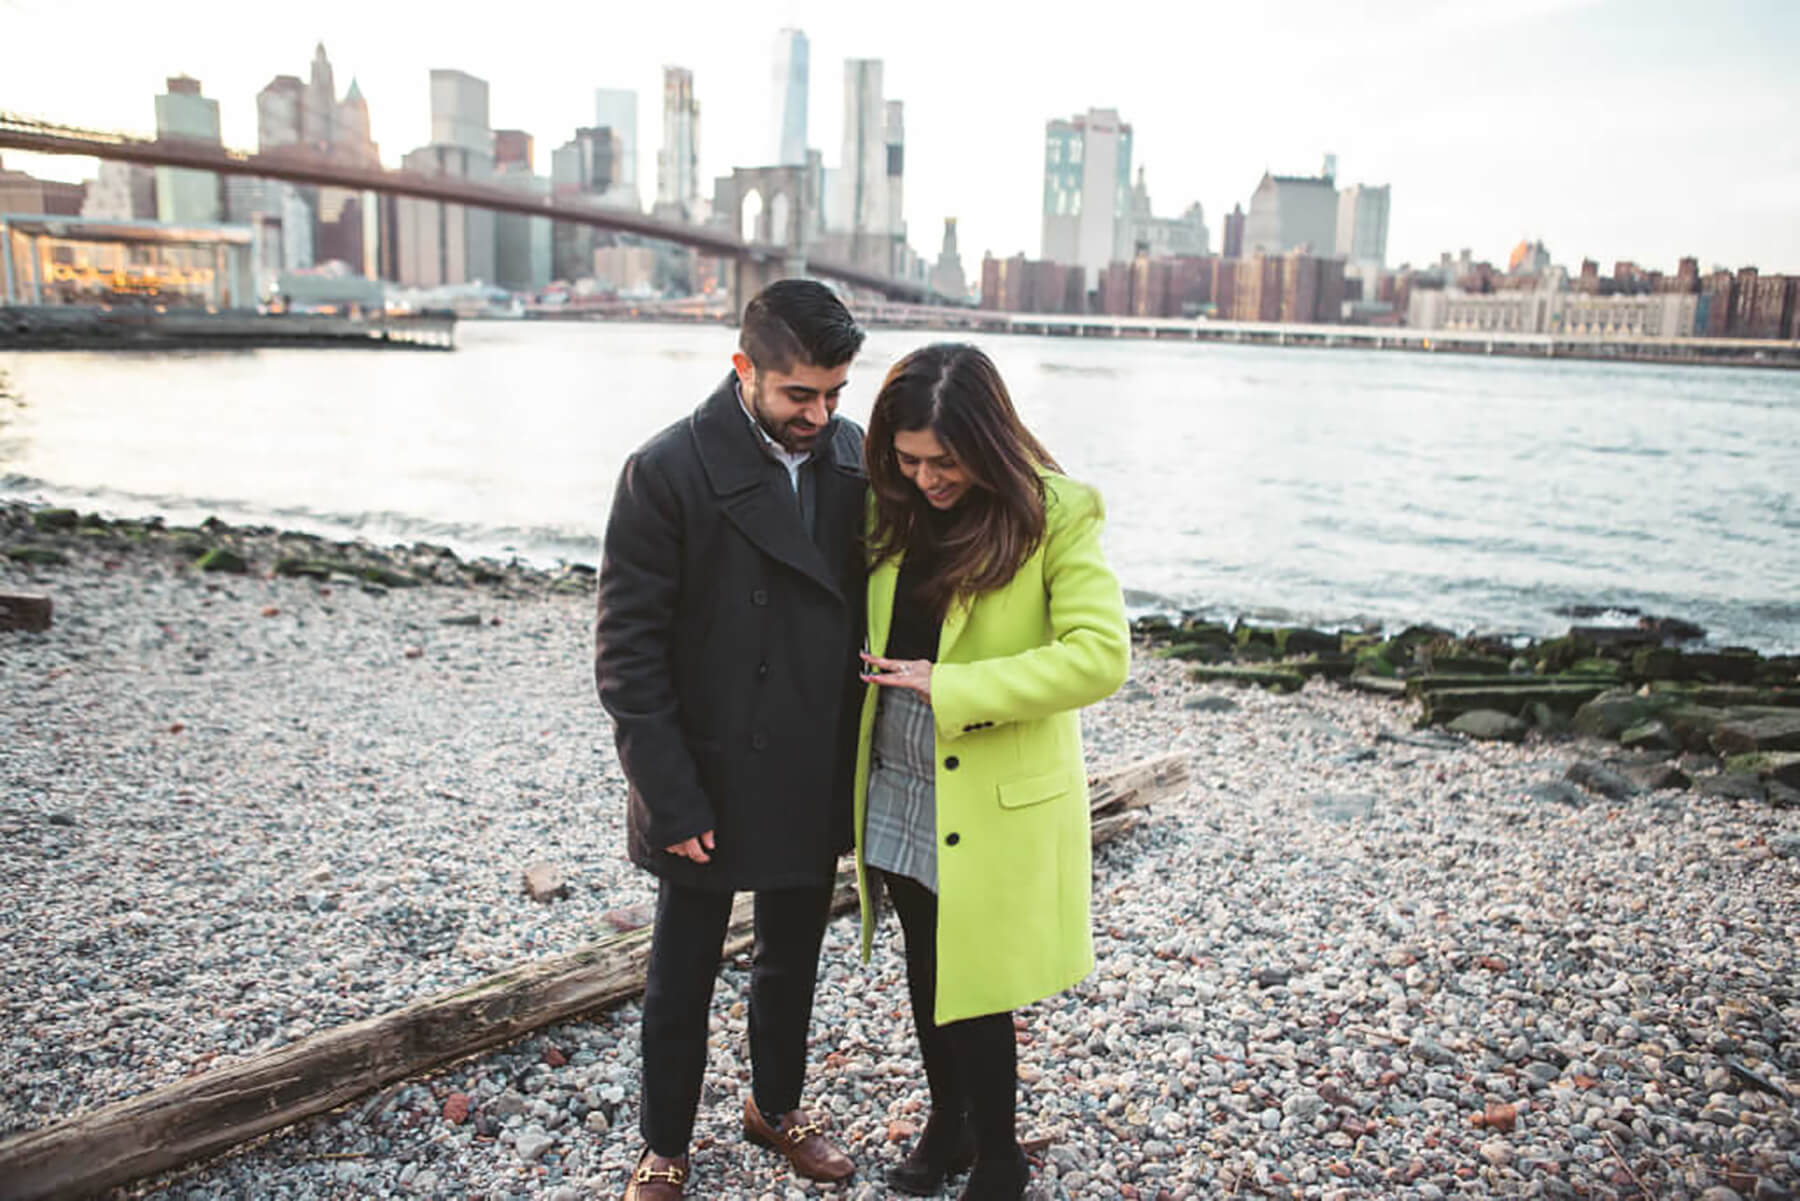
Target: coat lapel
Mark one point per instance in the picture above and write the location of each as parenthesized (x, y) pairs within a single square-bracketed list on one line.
[(753, 498)]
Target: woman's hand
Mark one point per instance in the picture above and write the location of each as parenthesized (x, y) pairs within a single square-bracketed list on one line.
[(899, 673)]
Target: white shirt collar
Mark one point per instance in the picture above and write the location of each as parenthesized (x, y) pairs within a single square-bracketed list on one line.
[(792, 460)]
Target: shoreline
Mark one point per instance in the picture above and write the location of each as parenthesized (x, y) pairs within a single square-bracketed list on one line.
[(241, 808), (263, 547)]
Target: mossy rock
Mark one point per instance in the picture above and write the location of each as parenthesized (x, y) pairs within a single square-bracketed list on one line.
[(1611, 714), (1558, 654), (1373, 661), (316, 569), (1331, 666), (1262, 636), (1547, 718), (1650, 735), (483, 574), (1468, 665), (220, 558), (1603, 668), (56, 520), (1768, 765), (37, 556), (1489, 725), (1196, 630), (1277, 679), (1154, 628), (1194, 652), (387, 577)]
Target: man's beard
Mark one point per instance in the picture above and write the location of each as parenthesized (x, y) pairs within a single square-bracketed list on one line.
[(790, 439)]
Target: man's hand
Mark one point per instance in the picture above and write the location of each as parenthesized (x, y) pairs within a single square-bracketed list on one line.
[(694, 848)]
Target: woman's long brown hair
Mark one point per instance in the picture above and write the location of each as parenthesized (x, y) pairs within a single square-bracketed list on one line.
[(955, 391)]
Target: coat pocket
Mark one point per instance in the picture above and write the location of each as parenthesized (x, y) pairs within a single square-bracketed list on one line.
[(1033, 790)]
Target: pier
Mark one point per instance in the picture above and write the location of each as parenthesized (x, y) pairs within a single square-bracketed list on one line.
[(62, 327)]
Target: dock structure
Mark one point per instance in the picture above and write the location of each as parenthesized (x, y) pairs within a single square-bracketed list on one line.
[(1751, 352), (67, 327)]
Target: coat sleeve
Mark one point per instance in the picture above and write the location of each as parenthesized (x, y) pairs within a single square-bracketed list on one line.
[(634, 640), (1089, 652)]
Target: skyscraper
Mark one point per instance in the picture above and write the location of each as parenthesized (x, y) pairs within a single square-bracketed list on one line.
[(617, 109), (1087, 190), (318, 119), (459, 112), (1362, 227), (678, 163), (862, 172), (278, 109), (947, 276), (894, 157), (788, 84), (1292, 212), (1231, 244), (187, 197)]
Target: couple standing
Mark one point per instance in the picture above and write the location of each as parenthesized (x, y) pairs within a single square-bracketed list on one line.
[(751, 548)]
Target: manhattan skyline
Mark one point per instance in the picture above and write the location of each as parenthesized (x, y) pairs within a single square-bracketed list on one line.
[(1609, 130)]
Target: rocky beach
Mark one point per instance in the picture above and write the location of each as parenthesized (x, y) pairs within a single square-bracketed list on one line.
[(254, 785)]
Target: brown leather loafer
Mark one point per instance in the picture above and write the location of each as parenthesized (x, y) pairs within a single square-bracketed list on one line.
[(656, 1178), (801, 1140)]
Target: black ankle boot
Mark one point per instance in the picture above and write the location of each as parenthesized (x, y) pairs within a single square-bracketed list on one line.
[(998, 1178), (946, 1148)]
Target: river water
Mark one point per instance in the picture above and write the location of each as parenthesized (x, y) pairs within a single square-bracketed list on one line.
[(1321, 486)]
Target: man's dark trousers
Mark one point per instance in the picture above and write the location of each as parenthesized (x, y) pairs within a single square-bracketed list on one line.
[(684, 962)]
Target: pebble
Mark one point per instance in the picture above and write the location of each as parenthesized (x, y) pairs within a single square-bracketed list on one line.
[(1290, 998)]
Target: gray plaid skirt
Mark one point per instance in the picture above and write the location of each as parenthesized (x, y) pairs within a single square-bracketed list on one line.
[(900, 829)]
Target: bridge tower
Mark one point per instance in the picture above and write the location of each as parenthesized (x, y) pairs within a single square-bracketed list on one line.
[(774, 209)]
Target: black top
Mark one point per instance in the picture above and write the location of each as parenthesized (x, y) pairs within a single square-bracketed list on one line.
[(914, 628)]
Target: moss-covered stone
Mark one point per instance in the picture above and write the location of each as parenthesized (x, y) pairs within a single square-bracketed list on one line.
[(221, 558), (1650, 735), (317, 569), (1768, 765), (1609, 669), (56, 520), (37, 556), (1373, 661), (1153, 628), (1558, 654), (387, 577), (1468, 665), (1490, 725), (1278, 679)]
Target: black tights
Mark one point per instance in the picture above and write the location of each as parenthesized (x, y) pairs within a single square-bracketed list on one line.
[(971, 1065)]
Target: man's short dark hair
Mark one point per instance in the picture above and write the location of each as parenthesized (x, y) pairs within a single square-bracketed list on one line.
[(798, 321)]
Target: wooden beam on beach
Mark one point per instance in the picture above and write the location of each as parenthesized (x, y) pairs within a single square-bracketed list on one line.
[(215, 1111), (25, 611)]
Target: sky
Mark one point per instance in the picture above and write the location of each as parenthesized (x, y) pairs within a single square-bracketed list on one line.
[(1610, 129)]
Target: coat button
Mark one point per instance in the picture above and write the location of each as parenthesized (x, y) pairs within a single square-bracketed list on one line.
[(952, 838), (762, 671), (952, 763), (759, 597), (759, 741)]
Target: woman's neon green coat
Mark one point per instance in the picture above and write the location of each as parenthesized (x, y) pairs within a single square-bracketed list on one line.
[(1014, 668)]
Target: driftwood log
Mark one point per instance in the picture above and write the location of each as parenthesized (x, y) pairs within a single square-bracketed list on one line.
[(212, 1112), (24, 611)]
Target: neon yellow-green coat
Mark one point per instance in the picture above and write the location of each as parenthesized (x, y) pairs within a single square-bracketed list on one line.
[(1014, 668)]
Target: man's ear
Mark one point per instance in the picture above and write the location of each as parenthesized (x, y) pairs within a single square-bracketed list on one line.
[(746, 370)]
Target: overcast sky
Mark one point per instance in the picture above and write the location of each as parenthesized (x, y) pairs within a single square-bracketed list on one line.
[(1640, 129)]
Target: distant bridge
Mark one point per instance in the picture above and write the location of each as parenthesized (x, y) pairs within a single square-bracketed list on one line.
[(756, 262)]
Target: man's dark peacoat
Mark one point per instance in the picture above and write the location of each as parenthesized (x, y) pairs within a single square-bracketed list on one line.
[(726, 649)]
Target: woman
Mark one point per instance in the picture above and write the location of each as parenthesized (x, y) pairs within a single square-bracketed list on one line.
[(993, 619)]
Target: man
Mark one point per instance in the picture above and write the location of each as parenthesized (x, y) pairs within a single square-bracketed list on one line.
[(730, 616)]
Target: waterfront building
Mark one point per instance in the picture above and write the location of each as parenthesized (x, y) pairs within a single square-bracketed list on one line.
[(587, 168), (1555, 311), (1087, 190), (1021, 285), (626, 270), (185, 197), (947, 275), (120, 192), (1362, 228), (678, 163), (59, 259), (512, 148), (1292, 212), (21, 192), (1528, 258), (787, 99), (1231, 242)]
